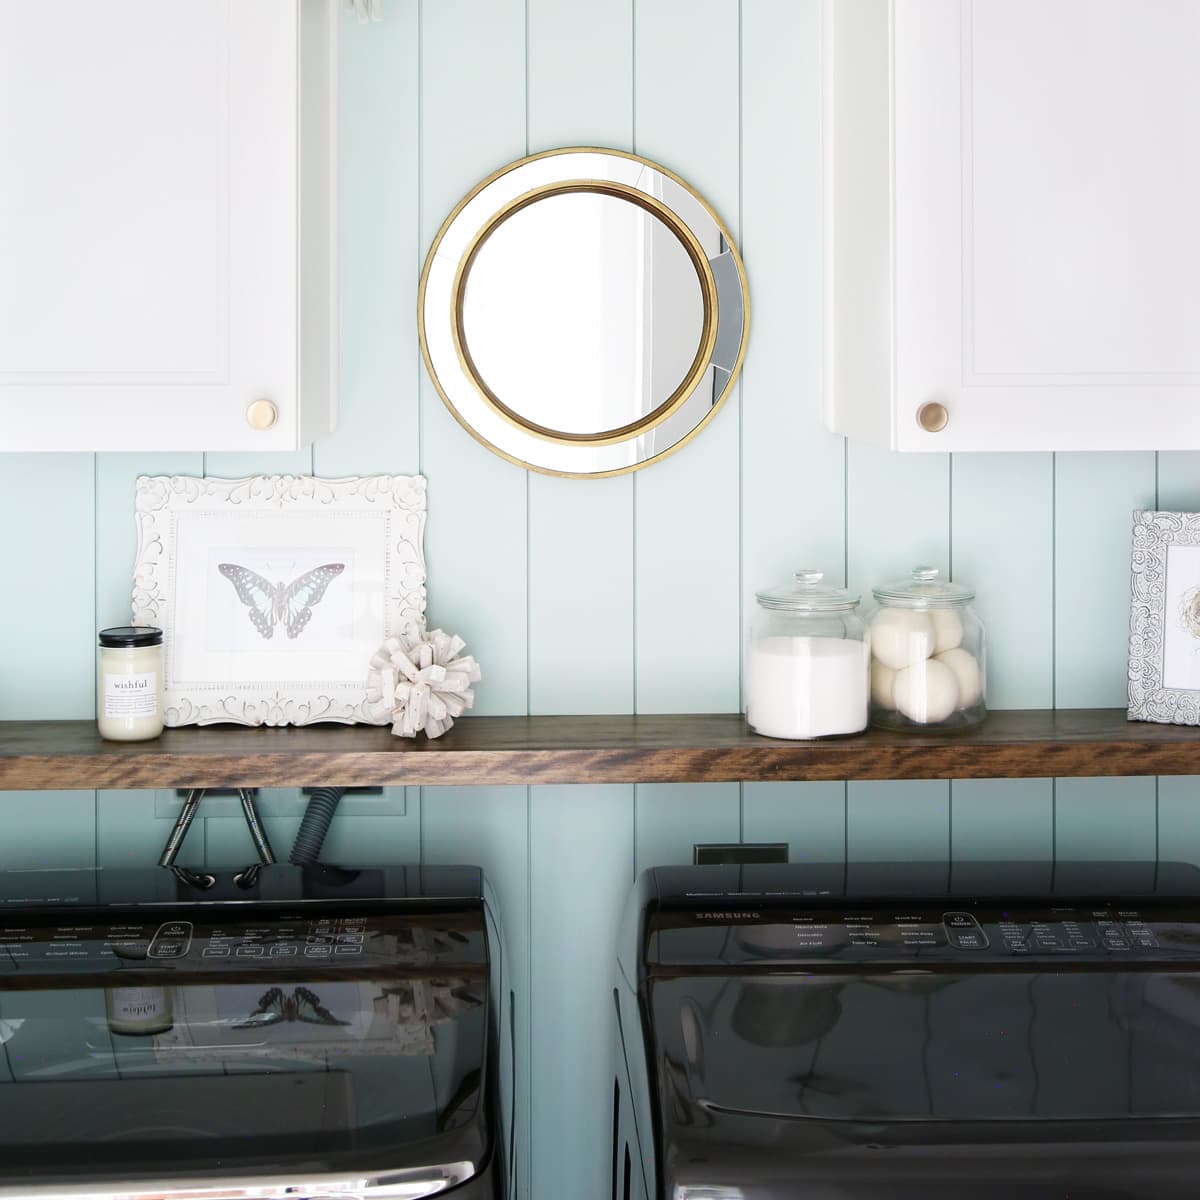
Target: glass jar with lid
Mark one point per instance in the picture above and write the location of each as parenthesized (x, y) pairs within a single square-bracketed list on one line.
[(129, 678), (808, 663), (927, 655)]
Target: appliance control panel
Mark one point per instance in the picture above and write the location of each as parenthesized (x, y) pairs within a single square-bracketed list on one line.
[(308, 940), (745, 932)]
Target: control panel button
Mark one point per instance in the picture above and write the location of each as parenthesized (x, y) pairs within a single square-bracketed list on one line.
[(963, 931), (172, 939), (959, 920)]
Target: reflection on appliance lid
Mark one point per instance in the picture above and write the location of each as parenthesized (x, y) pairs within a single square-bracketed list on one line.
[(403, 1184)]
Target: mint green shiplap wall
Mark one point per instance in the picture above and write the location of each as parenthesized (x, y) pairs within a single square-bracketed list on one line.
[(627, 594)]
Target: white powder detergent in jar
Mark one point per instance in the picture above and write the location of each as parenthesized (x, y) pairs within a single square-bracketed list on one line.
[(808, 663)]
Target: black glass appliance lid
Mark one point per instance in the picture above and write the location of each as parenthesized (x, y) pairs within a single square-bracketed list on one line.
[(900, 1047), (917, 992), (189, 1038)]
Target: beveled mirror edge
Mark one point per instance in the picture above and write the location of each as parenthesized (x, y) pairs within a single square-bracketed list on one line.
[(729, 244)]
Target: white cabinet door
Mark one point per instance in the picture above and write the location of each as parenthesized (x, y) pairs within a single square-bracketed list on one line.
[(1041, 228), (150, 240)]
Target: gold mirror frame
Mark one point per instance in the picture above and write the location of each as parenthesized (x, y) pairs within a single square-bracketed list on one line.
[(673, 422)]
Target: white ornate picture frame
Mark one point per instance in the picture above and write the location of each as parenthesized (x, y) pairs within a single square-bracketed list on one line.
[(273, 592), (1164, 619)]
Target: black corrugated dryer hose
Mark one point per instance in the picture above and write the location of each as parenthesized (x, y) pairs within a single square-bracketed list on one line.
[(318, 816)]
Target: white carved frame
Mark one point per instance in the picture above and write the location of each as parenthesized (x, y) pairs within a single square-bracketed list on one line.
[(159, 500), (1149, 700)]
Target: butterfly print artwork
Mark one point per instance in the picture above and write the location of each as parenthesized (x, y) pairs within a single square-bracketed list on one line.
[(275, 1007), (286, 604)]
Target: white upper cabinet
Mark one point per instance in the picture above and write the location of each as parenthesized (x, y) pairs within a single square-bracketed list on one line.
[(168, 224), (1012, 223)]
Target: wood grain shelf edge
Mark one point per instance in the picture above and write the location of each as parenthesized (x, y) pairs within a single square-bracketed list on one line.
[(703, 748)]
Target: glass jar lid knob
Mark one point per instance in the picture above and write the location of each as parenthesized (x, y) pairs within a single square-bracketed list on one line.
[(925, 574), (806, 592)]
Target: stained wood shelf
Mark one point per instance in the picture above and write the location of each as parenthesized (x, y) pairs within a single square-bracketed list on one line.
[(621, 749)]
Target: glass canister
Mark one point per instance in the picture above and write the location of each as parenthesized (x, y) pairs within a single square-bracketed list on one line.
[(927, 655), (807, 666), (129, 680)]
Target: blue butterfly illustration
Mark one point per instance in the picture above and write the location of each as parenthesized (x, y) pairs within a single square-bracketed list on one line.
[(271, 604)]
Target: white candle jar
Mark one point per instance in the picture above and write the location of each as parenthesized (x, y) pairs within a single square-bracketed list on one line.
[(927, 655), (129, 683), (807, 665)]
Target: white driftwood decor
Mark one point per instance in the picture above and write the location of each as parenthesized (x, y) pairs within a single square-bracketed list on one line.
[(421, 681)]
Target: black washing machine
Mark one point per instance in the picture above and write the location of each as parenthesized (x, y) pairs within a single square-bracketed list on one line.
[(284, 1031), (902, 1032)]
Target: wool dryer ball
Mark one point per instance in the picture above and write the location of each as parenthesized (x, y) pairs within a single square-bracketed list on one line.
[(947, 629), (883, 683), (926, 693), (902, 637), (966, 670)]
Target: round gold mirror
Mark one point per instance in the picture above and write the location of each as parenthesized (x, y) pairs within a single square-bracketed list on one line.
[(583, 312)]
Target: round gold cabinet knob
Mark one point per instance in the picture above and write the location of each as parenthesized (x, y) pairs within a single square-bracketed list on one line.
[(933, 417), (262, 414)]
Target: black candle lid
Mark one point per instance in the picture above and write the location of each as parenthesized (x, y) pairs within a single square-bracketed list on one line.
[(131, 635)]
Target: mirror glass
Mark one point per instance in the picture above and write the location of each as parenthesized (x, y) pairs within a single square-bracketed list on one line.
[(611, 313), (583, 312)]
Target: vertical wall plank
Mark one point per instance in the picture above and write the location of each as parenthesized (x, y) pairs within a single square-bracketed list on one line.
[(793, 476), (378, 426), (576, 899), (897, 516), (687, 108), (487, 827), (898, 822), (1095, 496), (580, 531), (48, 548), (473, 120), (1178, 481), (793, 468), (119, 820), (47, 829), (1008, 820), (1002, 545), (1178, 490), (47, 544), (810, 817), (580, 74), (1179, 817), (239, 464), (1106, 820), (673, 817)]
